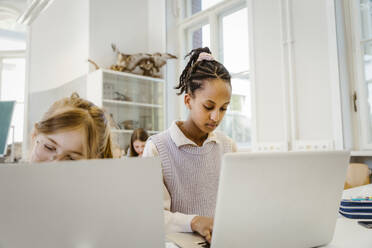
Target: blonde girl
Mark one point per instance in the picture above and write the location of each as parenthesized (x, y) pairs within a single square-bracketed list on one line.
[(71, 129)]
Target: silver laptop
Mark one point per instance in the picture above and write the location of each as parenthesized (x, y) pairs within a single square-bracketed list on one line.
[(275, 200), (279, 199), (83, 204)]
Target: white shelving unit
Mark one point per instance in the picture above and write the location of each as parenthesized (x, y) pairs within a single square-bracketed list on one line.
[(130, 131), (131, 100), (132, 103)]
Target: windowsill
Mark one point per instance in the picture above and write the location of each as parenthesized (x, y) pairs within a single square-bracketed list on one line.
[(244, 148), (361, 153)]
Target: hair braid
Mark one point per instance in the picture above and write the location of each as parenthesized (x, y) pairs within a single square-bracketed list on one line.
[(196, 72)]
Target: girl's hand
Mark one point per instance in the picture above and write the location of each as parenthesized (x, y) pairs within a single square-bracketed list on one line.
[(203, 225)]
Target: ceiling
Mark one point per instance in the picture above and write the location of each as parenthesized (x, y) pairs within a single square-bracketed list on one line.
[(10, 10)]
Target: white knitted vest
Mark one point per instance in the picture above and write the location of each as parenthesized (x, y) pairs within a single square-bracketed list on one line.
[(191, 173)]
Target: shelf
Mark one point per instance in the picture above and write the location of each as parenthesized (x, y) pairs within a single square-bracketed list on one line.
[(132, 75), (140, 102), (361, 153), (131, 131), (147, 105)]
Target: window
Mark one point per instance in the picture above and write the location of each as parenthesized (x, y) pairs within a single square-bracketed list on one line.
[(199, 36), (366, 57), (7, 44), (361, 21), (367, 67), (366, 18), (12, 77), (12, 89), (224, 29), (235, 56), (195, 6)]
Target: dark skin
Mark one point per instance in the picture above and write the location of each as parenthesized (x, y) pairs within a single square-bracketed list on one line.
[(192, 132), (207, 107)]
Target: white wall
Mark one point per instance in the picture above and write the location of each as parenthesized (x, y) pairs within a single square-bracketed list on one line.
[(69, 32), (58, 44), (121, 22), (56, 53), (173, 107), (41, 100), (156, 26)]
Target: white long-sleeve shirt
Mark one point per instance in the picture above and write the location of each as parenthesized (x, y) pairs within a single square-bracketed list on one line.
[(175, 221)]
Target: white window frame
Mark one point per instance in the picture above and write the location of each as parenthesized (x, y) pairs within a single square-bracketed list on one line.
[(226, 12), (357, 70), (212, 16), (9, 55), (190, 30), (208, 16), (13, 54)]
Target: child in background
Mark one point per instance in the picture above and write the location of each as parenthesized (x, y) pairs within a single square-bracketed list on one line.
[(137, 142), (72, 129), (190, 151)]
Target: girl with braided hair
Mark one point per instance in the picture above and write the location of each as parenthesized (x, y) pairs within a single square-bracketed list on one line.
[(190, 151)]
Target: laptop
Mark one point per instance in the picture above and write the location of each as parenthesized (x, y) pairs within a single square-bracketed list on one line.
[(82, 204), (275, 200)]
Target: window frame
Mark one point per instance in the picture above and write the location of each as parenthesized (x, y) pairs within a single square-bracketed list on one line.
[(187, 8), (13, 54), (190, 30), (223, 14), (210, 16), (359, 86), (214, 17)]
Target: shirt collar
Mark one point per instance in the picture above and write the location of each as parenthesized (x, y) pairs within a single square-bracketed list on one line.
[(180, 139)]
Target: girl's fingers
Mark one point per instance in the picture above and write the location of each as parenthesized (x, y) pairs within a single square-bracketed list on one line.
[(208, 237)]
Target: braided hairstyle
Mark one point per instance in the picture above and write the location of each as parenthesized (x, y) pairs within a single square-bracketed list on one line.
[(196, 72)]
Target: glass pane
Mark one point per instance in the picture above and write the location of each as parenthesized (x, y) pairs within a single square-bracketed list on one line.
[(366, 18), (133, 102), (119, 87), (196, 6), (235, 41), (9, 44), (12, 89), (17, 122), (13, 79), (367, 60), (237, 121), (369, 107), (199, 37), (235, 54)]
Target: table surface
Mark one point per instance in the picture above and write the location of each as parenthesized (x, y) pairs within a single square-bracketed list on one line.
[(348, 233)]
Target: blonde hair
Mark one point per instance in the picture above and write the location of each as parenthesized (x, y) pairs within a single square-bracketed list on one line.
[(74, 112)]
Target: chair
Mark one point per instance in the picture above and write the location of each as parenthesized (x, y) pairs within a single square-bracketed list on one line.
[(358, 174)]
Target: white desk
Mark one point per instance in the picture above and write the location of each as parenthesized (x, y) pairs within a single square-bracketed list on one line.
[(348, 233)]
